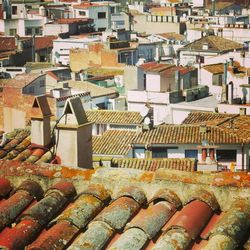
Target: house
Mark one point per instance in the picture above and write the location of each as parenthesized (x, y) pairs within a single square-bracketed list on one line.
[(231, 75), (225, 8), (105, 15), (206, 47), (154, 24), (15, 51), (113, 54), (62, 47), (225, 146), (70, 26), (165, 84), (19, 19), (148, 205), (171, 42)]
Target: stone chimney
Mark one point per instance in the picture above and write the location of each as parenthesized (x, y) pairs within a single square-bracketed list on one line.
[(74, 135), (40, 121)]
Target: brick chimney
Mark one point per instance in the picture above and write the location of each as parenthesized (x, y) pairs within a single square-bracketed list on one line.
[(40, 121), (74, 135)]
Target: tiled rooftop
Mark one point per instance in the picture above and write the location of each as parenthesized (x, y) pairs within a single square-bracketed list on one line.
[(185, 134), (44, 42), (215, 43), (114, 117), (113, 142), (199, 117), (20, 81), (95, 91), (234, 124), (184, 164), (18, 147), (55, 207), (172, 36)]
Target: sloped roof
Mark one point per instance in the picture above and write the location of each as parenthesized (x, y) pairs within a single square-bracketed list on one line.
[(185, 134), (95, 91), (20, 80), (7, 43), (114, 117), (199, 117), (113, 142), (229, 123), (184, 164), (18, 147), (64, 208), (172, 36), (215, 43), (44, 42)]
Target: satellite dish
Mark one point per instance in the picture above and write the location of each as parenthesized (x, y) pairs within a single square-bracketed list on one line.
[(144, 111), (147, 120)]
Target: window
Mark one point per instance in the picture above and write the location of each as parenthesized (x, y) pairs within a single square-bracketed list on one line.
[(42, 83), (12, 32), (101, 29), (101, 15), (14, 10), (159, 152), (112, 10), (82, 13), (226, 155), (217, 79), (191, 153), (28, 31)]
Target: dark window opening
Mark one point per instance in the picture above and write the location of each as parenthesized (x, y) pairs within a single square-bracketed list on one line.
[(14, 10), (159, 152), (101, 15), (191, 153), (226, 155)]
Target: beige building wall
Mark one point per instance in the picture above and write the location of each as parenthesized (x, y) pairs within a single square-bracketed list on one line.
[(13, 118), (142, 25)]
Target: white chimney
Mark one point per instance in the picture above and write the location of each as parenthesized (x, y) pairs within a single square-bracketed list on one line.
[(40, 121), (74, 135)]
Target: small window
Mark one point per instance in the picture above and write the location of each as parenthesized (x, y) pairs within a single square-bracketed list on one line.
[(226, 155), (12, 32), (82, 13), (191, 153), (42, 83), (14, 10), (101, 15), (159, 152), (28, 31), (112, 10), (101, 29)]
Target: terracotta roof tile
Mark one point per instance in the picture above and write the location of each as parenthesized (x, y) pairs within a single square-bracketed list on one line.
[(113, 142), (93, 221), (114, 117), (184, 164), (185, 134), (215, 43), (7, 43), (44, 42)]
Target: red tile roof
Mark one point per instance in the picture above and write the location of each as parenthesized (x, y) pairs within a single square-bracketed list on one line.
[(7, 43), (44, 42), (76, 209)]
